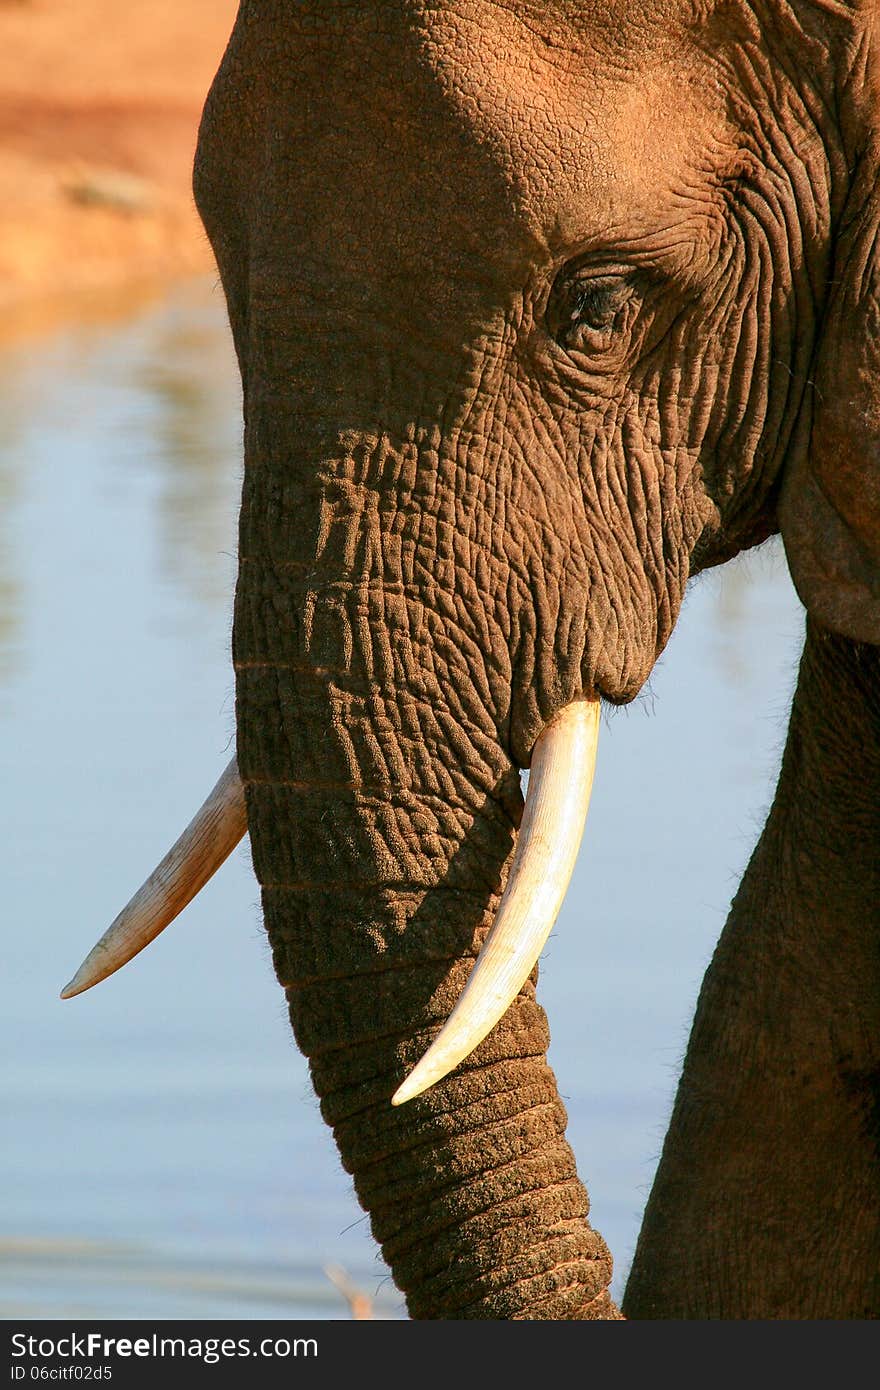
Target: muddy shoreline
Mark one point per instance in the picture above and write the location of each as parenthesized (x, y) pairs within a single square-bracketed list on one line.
[(99, 112)]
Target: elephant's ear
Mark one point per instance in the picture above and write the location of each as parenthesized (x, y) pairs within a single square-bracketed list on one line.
[(829, 510)]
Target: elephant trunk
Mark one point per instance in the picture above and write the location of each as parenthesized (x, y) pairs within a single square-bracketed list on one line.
[(383, 810)]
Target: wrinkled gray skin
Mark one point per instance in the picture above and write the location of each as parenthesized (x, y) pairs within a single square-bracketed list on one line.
[(541, 308)]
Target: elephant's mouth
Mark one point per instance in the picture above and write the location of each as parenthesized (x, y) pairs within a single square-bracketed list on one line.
[(557, 800)]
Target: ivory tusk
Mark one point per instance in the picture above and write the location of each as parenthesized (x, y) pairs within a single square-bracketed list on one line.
[(558, 796), (210, 837)]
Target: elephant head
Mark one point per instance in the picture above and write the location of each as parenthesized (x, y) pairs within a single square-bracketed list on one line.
[(540, 310)]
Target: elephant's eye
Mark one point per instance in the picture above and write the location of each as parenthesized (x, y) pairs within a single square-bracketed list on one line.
[(585, 312)]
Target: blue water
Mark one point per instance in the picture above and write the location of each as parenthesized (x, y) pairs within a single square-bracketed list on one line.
[(163, 1154)]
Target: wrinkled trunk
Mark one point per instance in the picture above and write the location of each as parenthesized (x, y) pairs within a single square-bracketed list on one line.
[(766, 1202), (383, 810)]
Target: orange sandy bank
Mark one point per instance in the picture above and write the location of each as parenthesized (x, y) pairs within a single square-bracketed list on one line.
[(99, 110)]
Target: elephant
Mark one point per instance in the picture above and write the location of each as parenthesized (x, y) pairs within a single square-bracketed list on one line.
[(541, 310)]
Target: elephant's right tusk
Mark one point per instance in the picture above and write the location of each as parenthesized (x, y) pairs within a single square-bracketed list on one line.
[(560, 782), (210, 837)]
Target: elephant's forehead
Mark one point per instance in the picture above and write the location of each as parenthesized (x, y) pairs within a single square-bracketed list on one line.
[(459, 145), (594, 113)]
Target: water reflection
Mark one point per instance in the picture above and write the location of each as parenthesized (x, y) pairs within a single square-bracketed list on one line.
[(166, 1115), (160, 397), (190, 385), (10, 588), (87, 1279)]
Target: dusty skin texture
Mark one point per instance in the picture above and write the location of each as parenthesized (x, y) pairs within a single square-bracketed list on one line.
[(541, 308), (785, 1045), (99, 109)]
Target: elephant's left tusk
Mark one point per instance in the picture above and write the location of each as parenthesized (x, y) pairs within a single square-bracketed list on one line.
[(560, 782), (210, 837)]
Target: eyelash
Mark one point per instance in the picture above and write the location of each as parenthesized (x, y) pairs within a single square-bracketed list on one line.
[(584, 311), (596, 303)]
